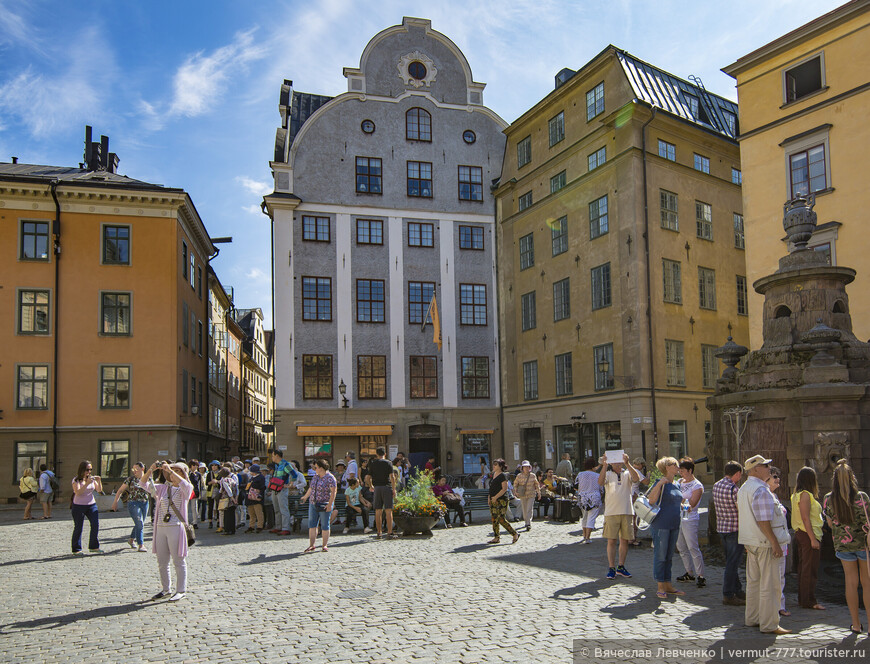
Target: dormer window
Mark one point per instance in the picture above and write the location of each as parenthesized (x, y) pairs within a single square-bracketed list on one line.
[(804, 79)]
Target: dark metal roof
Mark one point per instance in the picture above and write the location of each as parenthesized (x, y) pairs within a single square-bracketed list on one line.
[(301, 106), (36, 173), (665, 91)]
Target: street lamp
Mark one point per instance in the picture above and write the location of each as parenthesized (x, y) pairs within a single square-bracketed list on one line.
[(342, 389)]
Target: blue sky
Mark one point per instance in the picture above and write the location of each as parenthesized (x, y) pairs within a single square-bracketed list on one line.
[(187, 91)]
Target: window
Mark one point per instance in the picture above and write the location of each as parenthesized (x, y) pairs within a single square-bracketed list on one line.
[(530, 380), (742, 307), (524, 201), (34, 241), (368, 175), (29, 455), (707, 288), (470, 183), (595, 102), (192, 329), (557, 182), (318, 447), (527, 251), (418, 125), (472, 304), (115, 387), (367, 126), (199, 338), (807, 171), (524, 151), (420, 179), (559, 231), (419, 297), (315, 229), (192, 269), (709, 366), (184, 390), (597, 158), (185, 324), (804, 79), (825, 250), (561, 299), (371, 376), (528, 311), (677, 438), (421, 235), (704, 220), (370, 301), (424, 377), (32, 386), (116, 245), (730, 121), (471, 237), (115, 459), (317, 298), (317, 376), (474, 446), (184, 260), (475, 378), (736, 176), (369, 231), (557, 128), (694, 107), (601, 286), (739, 237), (667, 150), (598, 217), (116, 314), (675, 363), (603, 357), (564, 378), (673, 281), (702, 163), (469, 136), (34, 314), (670, 217), (199, 282)]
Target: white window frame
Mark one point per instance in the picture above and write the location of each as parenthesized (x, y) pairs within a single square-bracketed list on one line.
[(795, 65), (803, 144)]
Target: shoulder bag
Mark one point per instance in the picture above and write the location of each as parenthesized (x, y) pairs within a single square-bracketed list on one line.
[(646, 512), (188, 529)]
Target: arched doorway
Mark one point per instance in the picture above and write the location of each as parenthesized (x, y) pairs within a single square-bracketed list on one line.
[(424, 440)]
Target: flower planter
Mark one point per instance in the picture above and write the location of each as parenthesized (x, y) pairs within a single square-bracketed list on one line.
[(411, 525)]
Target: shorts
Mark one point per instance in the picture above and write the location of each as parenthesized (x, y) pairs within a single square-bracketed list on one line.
[(315, 515), (850, 556), (44, 497), (619, 526), (383, 497)]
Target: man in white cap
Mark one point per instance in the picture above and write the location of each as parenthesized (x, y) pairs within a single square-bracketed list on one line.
[(756, 509)]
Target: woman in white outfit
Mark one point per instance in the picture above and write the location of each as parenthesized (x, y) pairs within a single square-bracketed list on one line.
[(526, 488), (170, 539), (588, 497), (687, 543)]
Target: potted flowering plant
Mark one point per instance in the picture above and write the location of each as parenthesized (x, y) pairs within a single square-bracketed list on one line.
[(416, 509)]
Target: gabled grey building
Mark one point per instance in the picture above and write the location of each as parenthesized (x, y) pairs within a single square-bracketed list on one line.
[(382, 199)]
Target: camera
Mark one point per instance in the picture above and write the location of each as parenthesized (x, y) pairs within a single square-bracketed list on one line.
[(166, 518)]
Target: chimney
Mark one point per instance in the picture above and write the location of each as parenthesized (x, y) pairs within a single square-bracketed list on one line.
[(14, 160), (89, 148), (104, 151), (112, 163)]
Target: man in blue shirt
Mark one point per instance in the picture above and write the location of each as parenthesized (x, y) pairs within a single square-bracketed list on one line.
[(280, 498)]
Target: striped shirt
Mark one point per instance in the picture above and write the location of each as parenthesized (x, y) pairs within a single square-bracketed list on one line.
[(725, 504), (180, 497)]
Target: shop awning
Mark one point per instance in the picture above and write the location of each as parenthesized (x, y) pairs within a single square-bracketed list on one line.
[(344, 429), (472, 432)]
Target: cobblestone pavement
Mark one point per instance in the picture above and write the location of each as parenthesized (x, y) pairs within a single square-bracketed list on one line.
[(449, 598)]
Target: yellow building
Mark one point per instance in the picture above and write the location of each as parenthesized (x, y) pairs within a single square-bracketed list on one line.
[(803, 129), (103, 298), (606, 341)]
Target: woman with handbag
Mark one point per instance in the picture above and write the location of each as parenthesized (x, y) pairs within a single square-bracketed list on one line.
[(665, 526), (228, 491), (321, 501), (498, 501), (806, 521), (29, 487), (526, 488), (170, 525), (137, 504), (845, 509), (588, 497)]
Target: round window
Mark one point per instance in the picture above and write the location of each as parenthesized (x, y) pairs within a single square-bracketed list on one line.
[(468, 136), (368, 126), (417, 70)]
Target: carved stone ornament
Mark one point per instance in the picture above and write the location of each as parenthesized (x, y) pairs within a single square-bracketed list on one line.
[(799, 220), (730, 355), (411, 72), (831, 446)]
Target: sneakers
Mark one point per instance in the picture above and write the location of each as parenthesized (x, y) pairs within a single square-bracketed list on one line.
[(733, 601), (366, 531), (283, 532), (584, 541), (159, 595), (345, 531), (177, 596), (686, 577), (78, 553), (611, 574), (623, 572), (702, 582), (95, 550)]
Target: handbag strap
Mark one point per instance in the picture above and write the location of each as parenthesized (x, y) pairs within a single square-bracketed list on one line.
[(172, 505), (866, 529)]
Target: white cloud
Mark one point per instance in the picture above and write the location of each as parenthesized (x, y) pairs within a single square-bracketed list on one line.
[(253, 209), (200, 81), (254, 186), (257, 275)]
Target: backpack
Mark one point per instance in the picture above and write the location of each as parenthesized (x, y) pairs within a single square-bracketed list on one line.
[(53, 483)]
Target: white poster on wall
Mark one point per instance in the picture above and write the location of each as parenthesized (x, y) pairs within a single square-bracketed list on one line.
[(393, 452), (516, 451), (549, 447)]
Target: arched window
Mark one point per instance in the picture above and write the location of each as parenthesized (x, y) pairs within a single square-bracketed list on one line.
[(418, 125), (839, 307), (782, 311)]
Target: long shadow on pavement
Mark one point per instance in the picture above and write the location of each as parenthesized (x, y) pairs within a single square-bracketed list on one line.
[(66, 556), (263, 558), (90, 614)]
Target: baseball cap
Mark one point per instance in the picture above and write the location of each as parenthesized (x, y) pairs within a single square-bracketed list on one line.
[(255, 468), (215, 463), (757, 460)]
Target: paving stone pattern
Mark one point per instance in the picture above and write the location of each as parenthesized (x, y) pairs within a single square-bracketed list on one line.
[(448, 598)]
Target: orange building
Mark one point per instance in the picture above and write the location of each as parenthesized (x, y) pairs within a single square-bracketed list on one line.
[(103, 298)]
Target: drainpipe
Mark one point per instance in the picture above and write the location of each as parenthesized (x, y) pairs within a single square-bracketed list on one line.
[(56, 233), (649, 316)]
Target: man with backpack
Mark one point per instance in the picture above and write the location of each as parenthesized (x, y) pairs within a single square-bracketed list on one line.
[(279, 484), (48, 487)]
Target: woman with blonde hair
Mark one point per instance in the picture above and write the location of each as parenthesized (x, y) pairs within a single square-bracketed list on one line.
[(666, 526), (845, 509), (29, 487), (806, 521)]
